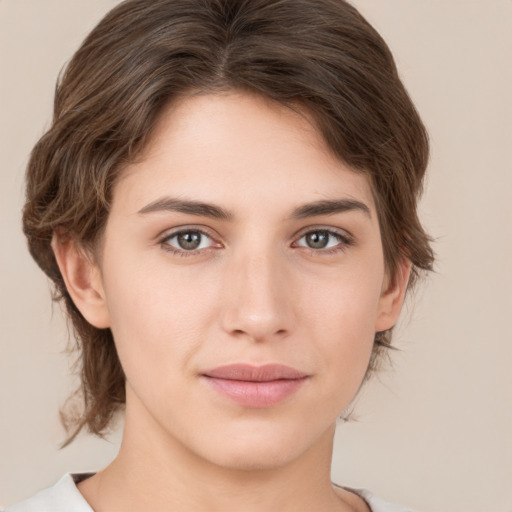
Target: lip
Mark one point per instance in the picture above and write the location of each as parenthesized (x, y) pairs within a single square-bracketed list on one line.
[(255, 386)]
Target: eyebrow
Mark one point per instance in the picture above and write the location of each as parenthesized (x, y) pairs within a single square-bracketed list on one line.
[(186, 206), (199, 208), (330, 207)]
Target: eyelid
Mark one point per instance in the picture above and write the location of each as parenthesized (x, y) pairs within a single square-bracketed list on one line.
[(183, 228), (322, 227)]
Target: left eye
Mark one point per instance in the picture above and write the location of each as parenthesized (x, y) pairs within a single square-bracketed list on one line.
[(190, 240), (320, 239)]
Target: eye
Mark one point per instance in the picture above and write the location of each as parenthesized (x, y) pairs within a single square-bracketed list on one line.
[(187, 240), (323, 239)]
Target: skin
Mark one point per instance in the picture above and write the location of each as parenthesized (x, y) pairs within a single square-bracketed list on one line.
[(254, 291)]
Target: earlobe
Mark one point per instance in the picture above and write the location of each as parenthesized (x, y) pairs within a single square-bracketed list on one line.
[(392, 298), (83, 280)]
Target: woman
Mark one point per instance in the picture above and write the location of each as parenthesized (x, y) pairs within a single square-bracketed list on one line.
[(226, 203)]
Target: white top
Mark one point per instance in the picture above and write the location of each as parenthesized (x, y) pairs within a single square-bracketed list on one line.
[(65, 497)]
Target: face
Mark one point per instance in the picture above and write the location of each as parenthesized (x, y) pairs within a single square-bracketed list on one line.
[(243, 278)]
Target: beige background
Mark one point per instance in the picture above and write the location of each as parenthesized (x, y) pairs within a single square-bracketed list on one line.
[(435, 432)]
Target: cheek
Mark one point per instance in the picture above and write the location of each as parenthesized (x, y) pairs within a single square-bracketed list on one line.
[(157, 317), (346, 302), (341, 317)]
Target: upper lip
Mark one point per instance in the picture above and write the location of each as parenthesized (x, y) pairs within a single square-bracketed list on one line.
[(254, 373)]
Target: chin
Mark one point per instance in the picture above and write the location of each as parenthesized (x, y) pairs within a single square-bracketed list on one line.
[(255, 459), (262, 449)]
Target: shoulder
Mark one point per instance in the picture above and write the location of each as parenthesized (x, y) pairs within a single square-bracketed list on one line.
[(377, 504), (62, 497), (373, 502)]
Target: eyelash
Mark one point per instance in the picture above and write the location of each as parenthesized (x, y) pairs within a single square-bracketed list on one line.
[(344, 241)]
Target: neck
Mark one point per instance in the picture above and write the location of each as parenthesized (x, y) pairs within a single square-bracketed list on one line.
[(156, 472)]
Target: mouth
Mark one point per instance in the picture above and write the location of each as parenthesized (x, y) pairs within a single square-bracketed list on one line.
[(255, 386)]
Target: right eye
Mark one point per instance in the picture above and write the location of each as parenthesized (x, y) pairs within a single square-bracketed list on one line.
[(187, 240)]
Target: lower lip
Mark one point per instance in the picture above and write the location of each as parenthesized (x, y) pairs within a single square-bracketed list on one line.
[(256, 394)]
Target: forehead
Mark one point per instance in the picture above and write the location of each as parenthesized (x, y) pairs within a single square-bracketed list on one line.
[(239, 146)]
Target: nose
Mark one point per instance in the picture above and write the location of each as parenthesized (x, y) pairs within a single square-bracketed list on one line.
[(257, 300)]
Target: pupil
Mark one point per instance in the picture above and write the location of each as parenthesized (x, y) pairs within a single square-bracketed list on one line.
[(190, 240), (317, 239)]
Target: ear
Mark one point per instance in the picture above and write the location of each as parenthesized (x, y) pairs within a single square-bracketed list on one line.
[(392, 297), (83, 280)]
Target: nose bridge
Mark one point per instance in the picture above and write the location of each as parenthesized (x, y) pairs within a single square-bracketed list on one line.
[(256, 300)]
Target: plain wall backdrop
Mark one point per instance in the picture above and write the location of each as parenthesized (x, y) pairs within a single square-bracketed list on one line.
[(435, 431)]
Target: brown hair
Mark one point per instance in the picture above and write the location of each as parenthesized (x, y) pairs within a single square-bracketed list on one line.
[(319, 54)]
